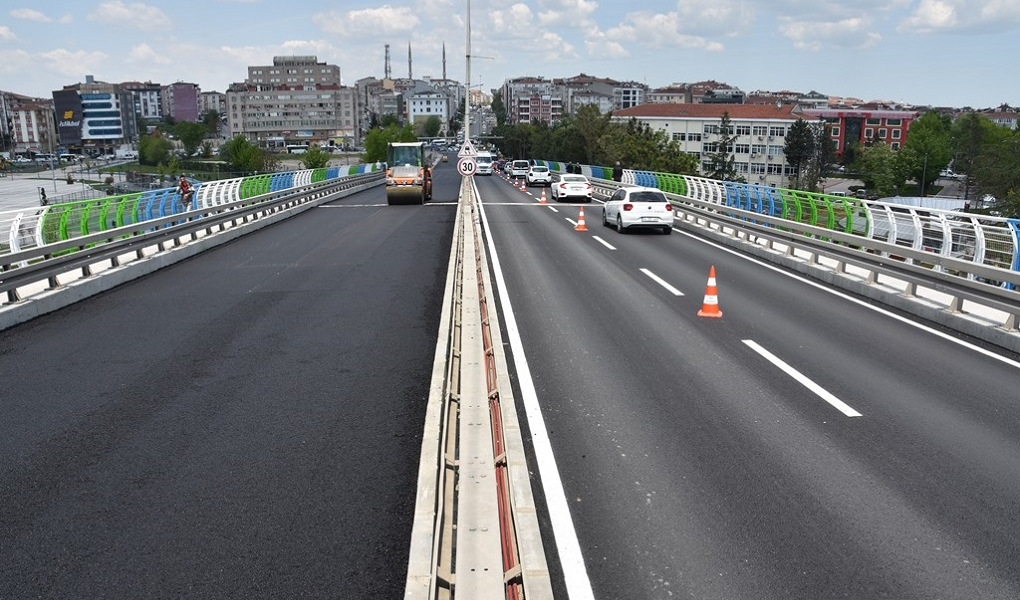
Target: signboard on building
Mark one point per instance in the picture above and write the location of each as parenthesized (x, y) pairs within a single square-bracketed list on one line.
[(67, 106)]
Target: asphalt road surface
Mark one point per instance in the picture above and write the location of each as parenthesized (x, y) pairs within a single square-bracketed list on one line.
[(716, 458), (244, 424)]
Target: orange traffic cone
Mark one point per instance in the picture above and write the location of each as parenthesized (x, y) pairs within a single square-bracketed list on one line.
[(542, 200), (522, 187), (710, 307), (580, 222)]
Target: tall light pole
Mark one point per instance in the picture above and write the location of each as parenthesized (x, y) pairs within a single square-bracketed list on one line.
[(467, 81), (924, 173)]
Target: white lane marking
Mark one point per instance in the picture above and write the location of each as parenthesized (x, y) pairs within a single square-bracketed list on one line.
[(602, 241), (552, 208), (858, 302), (568, 547), (662, 282), (803, 380)]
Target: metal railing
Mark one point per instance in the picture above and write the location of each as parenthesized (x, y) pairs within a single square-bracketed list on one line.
[(33, 280), (978, 239), (60, 221)]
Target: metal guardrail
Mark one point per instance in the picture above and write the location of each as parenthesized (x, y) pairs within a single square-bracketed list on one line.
[(979, 239), (472, 540), (46, 270), (58, 221), (951, 290)]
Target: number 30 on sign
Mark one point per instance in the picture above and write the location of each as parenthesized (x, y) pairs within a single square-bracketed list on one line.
[(467, 166)]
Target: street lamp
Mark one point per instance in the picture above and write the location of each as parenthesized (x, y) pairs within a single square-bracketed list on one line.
[(924, 173)]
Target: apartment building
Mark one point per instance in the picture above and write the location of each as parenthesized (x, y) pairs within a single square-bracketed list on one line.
[(297, 99), (760, 132)]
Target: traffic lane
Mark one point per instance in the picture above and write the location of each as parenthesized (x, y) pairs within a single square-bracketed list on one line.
[(258, 434), (731, 401)]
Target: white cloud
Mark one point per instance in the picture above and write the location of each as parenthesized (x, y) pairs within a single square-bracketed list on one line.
[(931, 16), (27, 14), (657, 30), (68, 18), (73, 64), (369, 22), (6, 34), (575, 14), (815, 36), (137, 16), (13, 61), (144, 53)]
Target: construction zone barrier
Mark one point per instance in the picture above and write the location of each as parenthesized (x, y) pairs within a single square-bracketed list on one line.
[(710, 307), (580, 222)]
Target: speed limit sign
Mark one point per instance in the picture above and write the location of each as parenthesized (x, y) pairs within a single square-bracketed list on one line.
[(467, 166)]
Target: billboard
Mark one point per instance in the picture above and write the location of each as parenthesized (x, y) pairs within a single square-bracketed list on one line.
[(67, 106)]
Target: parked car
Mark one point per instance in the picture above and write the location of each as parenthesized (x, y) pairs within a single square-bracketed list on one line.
[(519, 168), (638, 208), (538, 175), (569, 185)]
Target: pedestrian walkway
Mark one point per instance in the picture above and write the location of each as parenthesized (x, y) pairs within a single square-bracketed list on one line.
[(21, 191)]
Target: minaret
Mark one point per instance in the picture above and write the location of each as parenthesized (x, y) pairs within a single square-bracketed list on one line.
[(444, 61), (409, 74), (386, 69)]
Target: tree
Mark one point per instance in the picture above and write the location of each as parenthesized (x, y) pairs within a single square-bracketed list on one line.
[(997, 171), (315, 157), (211, 119), (432, 126), (154, 150), (377, 139), (498, 108), (246, 157), (928, 149), (883, 171), (591, 125), (191, 135), (637, 146), (722, 161), (801, 146), (971, 134)]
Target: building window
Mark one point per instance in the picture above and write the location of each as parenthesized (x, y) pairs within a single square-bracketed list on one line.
[(873, 121), (777, 131), (743, 130), (679, 137), (895, 145), (710, 128), (835, 133), (894, 122), (895, 134), (759, 130), (881, 133), (868, 132), (742, 149), (693, 137)]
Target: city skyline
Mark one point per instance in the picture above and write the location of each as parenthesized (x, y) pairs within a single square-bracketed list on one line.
[(919, 52)]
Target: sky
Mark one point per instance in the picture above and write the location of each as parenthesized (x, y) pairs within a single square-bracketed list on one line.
[(956, 53)]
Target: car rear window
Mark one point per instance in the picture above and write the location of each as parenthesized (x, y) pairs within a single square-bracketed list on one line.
[(648, 197), (520, 164), (539, 169), (574, 178)]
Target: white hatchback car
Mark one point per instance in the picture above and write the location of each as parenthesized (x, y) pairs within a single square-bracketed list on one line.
[(569, 186), (638, 208), (539, 175)]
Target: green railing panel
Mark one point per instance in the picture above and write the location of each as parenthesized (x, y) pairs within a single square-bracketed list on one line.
[(318, 175)]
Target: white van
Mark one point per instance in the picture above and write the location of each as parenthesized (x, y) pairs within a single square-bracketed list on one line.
[(484, 161)]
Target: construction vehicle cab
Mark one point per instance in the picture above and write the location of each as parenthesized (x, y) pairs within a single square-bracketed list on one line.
[(408, 175)]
